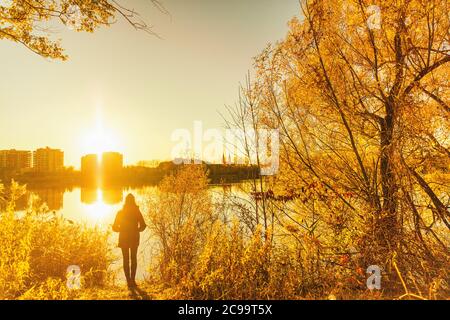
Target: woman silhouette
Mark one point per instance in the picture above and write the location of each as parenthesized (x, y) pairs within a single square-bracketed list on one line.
[(129, 223)]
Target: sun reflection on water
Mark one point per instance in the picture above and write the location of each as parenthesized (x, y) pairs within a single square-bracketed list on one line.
[(100, 211)]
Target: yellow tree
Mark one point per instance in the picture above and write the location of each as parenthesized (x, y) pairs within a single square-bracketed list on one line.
[(26, 21), (360, 93), (181, 216)]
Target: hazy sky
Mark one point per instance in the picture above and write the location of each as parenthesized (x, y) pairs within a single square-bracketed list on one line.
[(138, 88)]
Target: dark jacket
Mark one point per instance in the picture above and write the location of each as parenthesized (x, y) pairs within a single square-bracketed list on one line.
[(129, 223)]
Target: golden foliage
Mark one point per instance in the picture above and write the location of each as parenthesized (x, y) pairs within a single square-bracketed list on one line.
[(180, 218), (28, 21), (38, 247), (362, 105)]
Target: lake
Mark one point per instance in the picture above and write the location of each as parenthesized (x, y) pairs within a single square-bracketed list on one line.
[(98, 207)]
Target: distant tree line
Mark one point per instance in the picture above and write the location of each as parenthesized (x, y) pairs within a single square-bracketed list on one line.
[(131, 175)]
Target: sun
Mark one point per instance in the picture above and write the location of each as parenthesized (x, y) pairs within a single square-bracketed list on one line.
[(99, 141)]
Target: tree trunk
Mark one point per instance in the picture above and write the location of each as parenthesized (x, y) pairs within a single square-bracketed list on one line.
[(386, 224)]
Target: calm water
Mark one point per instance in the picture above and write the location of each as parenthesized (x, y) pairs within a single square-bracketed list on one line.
[(98, 207)]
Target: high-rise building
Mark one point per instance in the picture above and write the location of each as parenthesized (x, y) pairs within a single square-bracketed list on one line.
[(90, 169), (112, 165), (48, 160), (89, 165), (15, 159), (104, 172)]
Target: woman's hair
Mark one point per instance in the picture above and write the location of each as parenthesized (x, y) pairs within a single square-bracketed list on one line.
[(130, 201)]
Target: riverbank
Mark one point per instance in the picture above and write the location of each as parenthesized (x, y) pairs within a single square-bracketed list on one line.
[(131, 176)]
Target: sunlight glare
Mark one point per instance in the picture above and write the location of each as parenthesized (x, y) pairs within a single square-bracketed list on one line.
[(100, 140), (99, 210)]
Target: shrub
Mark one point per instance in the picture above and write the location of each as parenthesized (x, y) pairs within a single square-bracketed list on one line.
[(180, 218), (38, 246)]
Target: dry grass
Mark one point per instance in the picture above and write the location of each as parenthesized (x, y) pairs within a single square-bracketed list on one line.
[(38, 247)]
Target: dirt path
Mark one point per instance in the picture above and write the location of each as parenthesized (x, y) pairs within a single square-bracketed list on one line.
[(140, 292)]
